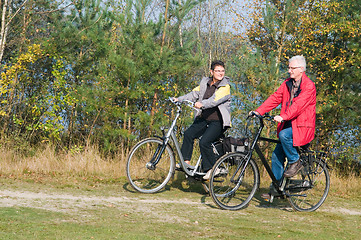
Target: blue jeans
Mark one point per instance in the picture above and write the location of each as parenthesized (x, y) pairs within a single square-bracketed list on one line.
[(283, 150)]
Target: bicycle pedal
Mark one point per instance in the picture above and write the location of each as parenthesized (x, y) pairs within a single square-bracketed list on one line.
[(218, 181), (270, 200)]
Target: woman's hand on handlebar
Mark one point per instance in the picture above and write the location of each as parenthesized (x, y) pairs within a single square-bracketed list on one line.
[(198, 105), (195, 105)]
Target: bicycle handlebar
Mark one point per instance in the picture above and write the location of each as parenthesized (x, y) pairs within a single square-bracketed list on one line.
[(266, 116), (186, 102)]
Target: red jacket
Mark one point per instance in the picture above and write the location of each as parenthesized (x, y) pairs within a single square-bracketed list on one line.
[(302, 112)]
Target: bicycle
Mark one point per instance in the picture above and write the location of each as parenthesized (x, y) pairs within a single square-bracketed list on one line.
[(234, 189), (151, 162)]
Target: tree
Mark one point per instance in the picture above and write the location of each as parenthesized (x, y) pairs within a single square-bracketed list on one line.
[(326, 33), (32, 104), (34, 92), (123, 66), (23, 23), (332, 45)]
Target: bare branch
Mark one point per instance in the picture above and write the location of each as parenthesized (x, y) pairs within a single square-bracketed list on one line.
[(55, 10), (17, 11), (92, 24)]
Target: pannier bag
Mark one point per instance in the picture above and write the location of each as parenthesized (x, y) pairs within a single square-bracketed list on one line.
[(231, 144)]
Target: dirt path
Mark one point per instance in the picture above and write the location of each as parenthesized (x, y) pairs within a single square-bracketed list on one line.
[(60, 202), (67, 202)]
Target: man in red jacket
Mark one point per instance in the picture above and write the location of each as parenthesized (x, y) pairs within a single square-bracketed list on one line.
[(296, 122)]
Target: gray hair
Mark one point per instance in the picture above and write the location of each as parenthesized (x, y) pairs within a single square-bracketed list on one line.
[(300, 59)]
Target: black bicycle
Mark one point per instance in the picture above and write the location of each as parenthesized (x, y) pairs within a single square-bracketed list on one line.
[(240, 179)]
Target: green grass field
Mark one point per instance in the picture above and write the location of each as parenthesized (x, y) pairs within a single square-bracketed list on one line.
[(65, 207)]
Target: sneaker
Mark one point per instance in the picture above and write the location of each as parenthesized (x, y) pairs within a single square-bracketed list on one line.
[(179, 167), (218, 172), (266, 196), (271, 194)]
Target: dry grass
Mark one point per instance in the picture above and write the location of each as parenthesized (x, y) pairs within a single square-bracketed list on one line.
[(89, 163), (46, 161), (340, 185), (345, 186)]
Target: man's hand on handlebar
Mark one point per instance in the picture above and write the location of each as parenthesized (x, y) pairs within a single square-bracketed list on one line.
[(278, 119), (253, 113)]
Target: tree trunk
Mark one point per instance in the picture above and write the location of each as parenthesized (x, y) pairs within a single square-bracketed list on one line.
[(209, 33), (180, 30), (4, 28), (165, 25), (279, 50)]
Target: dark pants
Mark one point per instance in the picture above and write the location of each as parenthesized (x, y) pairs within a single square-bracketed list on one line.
[(210, 132)]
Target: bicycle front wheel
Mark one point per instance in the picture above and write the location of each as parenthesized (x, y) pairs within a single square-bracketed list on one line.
[(143, 173), (309, 188), (230, 189)]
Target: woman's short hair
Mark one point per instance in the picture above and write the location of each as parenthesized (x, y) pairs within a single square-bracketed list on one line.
[(216, 63)]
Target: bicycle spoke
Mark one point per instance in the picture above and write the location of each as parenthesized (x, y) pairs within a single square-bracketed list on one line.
[(309, 188), (145, 178), (230, 191)]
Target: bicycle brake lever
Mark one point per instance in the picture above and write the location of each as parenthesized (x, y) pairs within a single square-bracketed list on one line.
[(189, 103), (171, 99)]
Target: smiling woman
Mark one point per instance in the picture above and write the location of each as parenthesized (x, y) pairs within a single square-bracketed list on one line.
[(212, 96), (217, 73)]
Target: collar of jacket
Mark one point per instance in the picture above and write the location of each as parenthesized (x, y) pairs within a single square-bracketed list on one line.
[(221, 83), (290, 82)]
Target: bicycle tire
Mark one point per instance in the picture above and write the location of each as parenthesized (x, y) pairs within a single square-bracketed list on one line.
[(143, 178), (309, 188), (226, 191)]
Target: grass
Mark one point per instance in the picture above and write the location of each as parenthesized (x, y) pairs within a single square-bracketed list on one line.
[(46, 161), (82, 196), (89, 166), (103, 210)]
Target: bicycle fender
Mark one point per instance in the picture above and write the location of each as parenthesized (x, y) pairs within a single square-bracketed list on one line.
[(170, 146)]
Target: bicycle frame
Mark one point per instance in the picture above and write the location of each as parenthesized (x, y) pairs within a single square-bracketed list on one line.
[(255, 146), (170, 135)]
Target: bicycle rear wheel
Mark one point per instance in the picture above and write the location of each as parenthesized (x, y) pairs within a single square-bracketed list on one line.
[(143, 175), (230, 190), (309, 188)]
